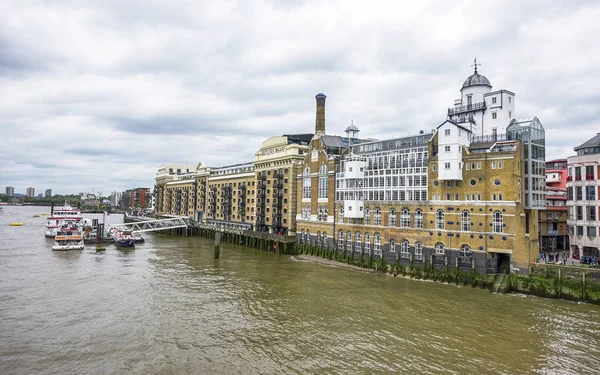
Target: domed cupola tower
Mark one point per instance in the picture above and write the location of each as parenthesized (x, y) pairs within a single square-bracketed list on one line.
[(483, 111)]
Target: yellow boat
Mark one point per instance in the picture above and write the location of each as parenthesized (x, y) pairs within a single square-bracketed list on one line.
[(15, 224), (45, 214), (36, 215)]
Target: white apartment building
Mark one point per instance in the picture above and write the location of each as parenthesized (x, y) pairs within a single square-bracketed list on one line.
[(483, 111), (583, 188)]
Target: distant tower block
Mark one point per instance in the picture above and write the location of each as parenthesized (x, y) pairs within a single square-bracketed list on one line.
[(320, 122)]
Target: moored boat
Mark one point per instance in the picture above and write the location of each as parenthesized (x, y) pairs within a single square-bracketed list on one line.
[(123, 238), (65, 213), (69, 236)]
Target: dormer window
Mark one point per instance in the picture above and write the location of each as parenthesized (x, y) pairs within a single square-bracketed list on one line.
[(447, 132)]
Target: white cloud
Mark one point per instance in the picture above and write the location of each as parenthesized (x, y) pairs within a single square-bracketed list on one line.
[(97, 96)]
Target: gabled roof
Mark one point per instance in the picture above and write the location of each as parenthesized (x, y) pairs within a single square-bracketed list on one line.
[(338, 141), (455, 124), (592, 142)]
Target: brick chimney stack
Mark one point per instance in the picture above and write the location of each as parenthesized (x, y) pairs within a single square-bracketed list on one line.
[(320, 121)]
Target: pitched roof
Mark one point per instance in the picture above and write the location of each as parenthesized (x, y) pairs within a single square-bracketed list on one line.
[(455, 124), (592, 142)]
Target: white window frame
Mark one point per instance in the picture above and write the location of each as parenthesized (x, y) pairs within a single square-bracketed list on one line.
[(323, 182), (419, 218), (404, 249), (418, 250), (405, 218), (439, 219), (465, 221), (392, 218), (497, 222)]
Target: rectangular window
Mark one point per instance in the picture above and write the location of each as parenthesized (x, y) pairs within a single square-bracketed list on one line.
[(447, 165), (590, 213), (447, 196), (509, 113), (446, 148), (467, 166), (456, 197), (579, 230), (499, 197), (499, 165), (494, 100), (433, 167), (591, 231), (468, 197), (493, 165), (509, 99), (448, 184), (455, 184), (447, 132), (590, 193), (478, 165), (578, 193), (494, 115)]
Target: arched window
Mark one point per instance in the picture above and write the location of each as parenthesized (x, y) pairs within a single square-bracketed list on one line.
[(377, 244), (306, 184), (319, 239), (439, 248), (325, 213), (357, 243), (419, 218), (319, 213), (349, 241), (325, 243), (465, 251), (341, 240), (377, 216), (405, 218), (497, 222), (418, 250), (341, 215), (303, 237), (323, 183), (308, 236), (367, 243), (367, 216), (392, 218), (439, 219), (466, 221), (392, 246), (404, 249)]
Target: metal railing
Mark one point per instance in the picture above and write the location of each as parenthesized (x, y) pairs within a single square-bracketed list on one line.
[(466, 108)]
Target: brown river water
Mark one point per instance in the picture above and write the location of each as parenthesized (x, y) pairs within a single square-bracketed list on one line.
[(167, 307)]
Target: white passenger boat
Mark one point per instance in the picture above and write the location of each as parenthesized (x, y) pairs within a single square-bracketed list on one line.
[(65, 213), (69, 236)]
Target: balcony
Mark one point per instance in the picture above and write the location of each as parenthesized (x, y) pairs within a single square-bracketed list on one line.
[(490, 138), (577, 177), (589, 177), (466, 108), (569, 178)]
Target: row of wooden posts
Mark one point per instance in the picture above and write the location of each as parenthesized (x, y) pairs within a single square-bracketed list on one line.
[(257, 240)]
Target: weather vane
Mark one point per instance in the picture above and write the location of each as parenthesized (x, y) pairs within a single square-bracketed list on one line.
[(475, 64)]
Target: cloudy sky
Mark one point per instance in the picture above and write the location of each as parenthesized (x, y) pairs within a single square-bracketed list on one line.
[(95, 97)]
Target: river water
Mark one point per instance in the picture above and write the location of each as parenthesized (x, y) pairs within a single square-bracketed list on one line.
[(168, 308)]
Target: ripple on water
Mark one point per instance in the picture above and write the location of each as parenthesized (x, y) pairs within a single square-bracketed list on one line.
[(168, 307)]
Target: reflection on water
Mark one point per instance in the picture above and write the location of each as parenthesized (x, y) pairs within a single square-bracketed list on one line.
[(167, 307)]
